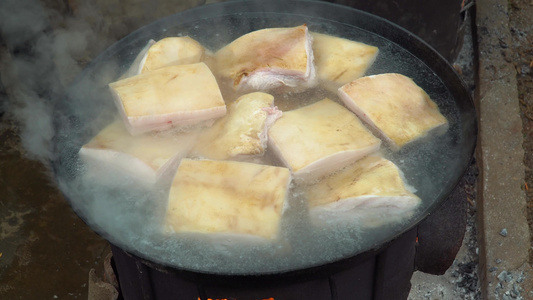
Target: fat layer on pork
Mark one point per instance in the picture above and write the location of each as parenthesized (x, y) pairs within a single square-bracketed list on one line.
[(146, 157), (320, 138), (173, 51), (167, 97), (166, 52), (371, 188), (242, 131), (339, 61), (227, 197), (269, 58), (394, 105)]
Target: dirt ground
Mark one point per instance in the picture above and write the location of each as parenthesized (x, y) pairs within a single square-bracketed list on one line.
[(522, 49)]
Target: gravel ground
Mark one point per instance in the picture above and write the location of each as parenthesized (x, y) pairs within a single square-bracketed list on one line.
[(521, 25)]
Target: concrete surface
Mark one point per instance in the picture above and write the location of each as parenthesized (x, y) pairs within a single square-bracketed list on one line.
[(46, 252), (504, 238)]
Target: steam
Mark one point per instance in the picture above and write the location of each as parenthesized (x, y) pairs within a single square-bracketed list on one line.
[(45, 46), (39, 63), (25, 93)]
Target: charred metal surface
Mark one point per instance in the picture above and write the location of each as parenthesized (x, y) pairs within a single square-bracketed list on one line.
[(383, 276), (439, 23), (440, 236)]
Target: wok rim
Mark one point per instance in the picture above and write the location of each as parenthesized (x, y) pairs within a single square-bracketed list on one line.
[(331, 12)]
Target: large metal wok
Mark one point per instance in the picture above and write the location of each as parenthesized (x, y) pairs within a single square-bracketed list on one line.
[(123, 214)]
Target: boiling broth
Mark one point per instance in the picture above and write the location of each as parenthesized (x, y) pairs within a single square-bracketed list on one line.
[(131, 217)]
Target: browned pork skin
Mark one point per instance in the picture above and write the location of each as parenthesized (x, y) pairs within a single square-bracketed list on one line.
[(242, 132), (371, 190), (269, 58), (393, 105), (227, 197), (170, 51), (168, 97), (320, 138), (339, 61), (146, 157)]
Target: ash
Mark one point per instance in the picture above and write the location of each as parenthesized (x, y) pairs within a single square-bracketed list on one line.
[(508, 286), (461, 280)]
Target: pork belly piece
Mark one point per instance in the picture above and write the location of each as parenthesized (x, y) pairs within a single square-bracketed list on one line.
[(269, 58), (371, 190), (138, 63), (166, 52), (320, 138), (147, 158), (242, 132), (395, 106), (227, 197), (173, 51), (339, 61), (167, 97)]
